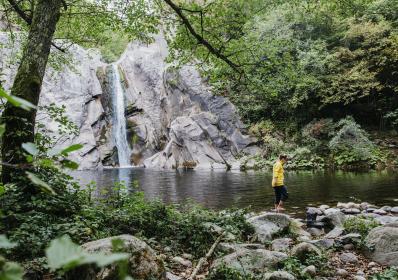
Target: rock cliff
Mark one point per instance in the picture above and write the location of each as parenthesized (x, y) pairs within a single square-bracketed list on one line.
[(173, 119)]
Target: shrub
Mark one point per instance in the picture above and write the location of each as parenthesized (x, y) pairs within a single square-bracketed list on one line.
[(360, 225), (224, 272), (295, 267), (388, 274)]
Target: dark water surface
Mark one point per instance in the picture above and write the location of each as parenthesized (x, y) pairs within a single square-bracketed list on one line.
[(220, 189)]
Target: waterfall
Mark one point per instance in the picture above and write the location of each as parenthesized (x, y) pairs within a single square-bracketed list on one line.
[(119, 119)]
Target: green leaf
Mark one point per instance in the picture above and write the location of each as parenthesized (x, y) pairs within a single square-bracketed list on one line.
[(5, 243), (70, 164), (40, 183), (71, 148), (2, 129), (30, 148), (11, 271), (16, 101), (64, 254)]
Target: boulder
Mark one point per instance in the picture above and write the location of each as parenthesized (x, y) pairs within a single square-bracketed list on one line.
[(394, 210), (334, 219), (348, 258), (252, 261), (142, 264), (354, 238), (269, 224), (336, 232), (386, 208), (278, 275), (309, 270), (384, 220), (382, 244), (281, 244), (303, 250), (315, 232), (380, 212), (342, 272), (228, 248), (323, 243)]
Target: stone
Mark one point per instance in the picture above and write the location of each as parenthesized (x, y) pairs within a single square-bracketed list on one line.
[(336, 232), (171, 276), (348, 258), (364, 205), (252, 261), (351, 211), (315, 232), (384, 220), (350, 238), (386, 208), (269, 224), (334, 219), (281, 244), (342, 205), (323, 243), (181, 261), (382, 244), (278, 275), (303, 250), (331, 210), (372, 264), (394, 210), (142, 264), (314, 211), (380, 212), (303, 238), (371, 209), (228, 248), (349, 246), (187, 256), (324, 207), (342, 272), (358, 277), (309, 270)]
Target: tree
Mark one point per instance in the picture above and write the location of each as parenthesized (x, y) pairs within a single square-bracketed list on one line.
[(76, 21)]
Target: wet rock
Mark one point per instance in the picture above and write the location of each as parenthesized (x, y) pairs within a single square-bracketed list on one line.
[(324, 207), (142, 264), (323, 243), (303, 250), (309, 270), (331, 210), (252, 261), (348, 258), (281, 244), (336, 232), (371, 209), (386, 208), (380, 212), (181, 261), (314, 211), (351, 211), (384, 220), (394, 210), (382, 244), (278, 275), (269, 224)]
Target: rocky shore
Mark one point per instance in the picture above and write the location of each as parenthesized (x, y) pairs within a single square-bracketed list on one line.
[(348, 241)]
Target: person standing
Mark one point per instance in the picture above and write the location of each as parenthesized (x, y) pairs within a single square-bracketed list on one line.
[(280, 189)]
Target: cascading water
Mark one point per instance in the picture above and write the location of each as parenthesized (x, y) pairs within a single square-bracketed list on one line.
[(119, 119)]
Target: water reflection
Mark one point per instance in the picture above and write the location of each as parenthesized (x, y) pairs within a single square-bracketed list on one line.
[(219, 189)]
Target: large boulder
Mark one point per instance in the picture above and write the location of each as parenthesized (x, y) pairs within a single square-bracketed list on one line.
[(143, 263), (382, 244), (252, 261), (269, 224)]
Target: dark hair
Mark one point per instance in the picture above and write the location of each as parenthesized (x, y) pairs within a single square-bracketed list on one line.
[(282, 157)]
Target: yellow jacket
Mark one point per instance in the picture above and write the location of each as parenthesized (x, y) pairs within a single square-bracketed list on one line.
[(277, 174)]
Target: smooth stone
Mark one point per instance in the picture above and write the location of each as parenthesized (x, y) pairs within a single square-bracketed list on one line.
[(315, 232), (348, 257), (341, 205), (281, 244), (349, 246), (342, 272), (269, 224), (394, 210), (278, 275), (350, 238), (323, 243), (380, 212), (371, 209), (309, 270), (182, 261), (384, 220), (334, 219), (324, 207), (336, 232), (304, 249), (386, 208), (314, 211), (372, 264), (351, 211)]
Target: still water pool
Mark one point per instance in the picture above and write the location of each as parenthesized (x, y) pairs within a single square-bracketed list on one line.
[(220, 189)]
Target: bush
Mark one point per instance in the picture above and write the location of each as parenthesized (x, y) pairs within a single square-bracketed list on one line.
[(295, 267), (360, 225), (388, 274), (224, 272)]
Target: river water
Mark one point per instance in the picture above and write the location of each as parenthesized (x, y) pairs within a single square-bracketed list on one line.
[(220, 189)]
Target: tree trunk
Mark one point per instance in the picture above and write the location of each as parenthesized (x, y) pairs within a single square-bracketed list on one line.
[(20, 123)]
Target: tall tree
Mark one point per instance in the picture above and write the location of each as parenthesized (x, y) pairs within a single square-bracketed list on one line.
[(19, 123)]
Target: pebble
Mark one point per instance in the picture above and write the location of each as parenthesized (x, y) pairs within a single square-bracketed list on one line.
[(309, 270), (342, 272), (181, 261), (348, 257)]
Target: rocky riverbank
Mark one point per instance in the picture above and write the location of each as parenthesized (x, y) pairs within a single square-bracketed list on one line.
[(348, 241)]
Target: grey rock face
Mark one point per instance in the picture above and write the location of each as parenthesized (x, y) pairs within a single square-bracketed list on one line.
[(382, 244), (252, 261), (348, 258), (281, 244), (142, 264), (269, 224)]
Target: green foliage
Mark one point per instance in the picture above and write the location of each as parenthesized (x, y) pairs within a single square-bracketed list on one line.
[(360, 225), (64, 254), (9, 270), (113, 46), (388, 274), (295, 267)]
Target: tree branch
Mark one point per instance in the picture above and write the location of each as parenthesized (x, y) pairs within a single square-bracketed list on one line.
[(28, 19), (199, 38)]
